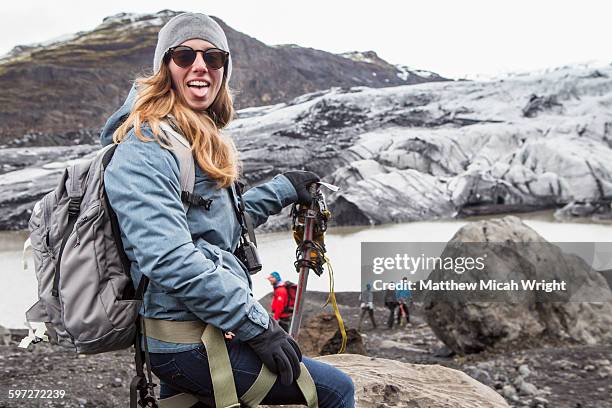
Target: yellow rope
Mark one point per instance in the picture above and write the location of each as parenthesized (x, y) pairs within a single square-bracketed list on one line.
[(332, 297)]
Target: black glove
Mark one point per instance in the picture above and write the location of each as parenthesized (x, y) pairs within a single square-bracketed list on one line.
[(301, 180), (279, 352)]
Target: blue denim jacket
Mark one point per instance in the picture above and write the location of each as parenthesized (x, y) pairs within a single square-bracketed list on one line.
[(188, 257)]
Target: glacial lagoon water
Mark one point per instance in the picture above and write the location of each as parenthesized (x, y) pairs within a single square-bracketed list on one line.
[(277, 250)]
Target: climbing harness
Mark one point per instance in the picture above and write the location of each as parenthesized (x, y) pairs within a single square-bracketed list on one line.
[(224, 389), (309, 226)]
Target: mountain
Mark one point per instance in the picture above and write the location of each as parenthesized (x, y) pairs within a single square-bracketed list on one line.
[(417, 152), (61, 92)]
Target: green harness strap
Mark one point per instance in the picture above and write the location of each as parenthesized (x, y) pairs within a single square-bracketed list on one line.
[(260, 388), (221, 373), (220, 368), (308, 388), (178, 401), (265, 380)]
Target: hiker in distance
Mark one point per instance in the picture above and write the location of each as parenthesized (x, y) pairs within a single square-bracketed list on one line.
[(403, 298), (281, 306), (391, 304), (367, 306), (189, 244)]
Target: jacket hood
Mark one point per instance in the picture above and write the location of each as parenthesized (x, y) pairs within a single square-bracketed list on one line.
[(117, 118)]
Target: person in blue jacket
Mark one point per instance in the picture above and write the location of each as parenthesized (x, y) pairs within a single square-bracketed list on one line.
[(189, 257)]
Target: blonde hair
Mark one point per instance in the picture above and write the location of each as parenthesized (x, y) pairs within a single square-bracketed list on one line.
[(214, 153)]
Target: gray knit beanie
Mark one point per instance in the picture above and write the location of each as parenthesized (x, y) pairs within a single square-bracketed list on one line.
[(187, 26)]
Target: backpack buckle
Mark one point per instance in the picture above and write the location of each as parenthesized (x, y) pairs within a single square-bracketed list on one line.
[(196, 200), (204, 202)]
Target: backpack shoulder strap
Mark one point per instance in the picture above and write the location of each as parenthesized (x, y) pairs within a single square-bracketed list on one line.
[(182, 150)]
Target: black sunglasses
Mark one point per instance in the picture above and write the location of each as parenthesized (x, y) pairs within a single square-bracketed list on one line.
[(184, 56)]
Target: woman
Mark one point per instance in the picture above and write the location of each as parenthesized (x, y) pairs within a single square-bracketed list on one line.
[(189, 257)]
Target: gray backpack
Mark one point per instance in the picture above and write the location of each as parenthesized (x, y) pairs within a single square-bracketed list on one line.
[(86, 297)]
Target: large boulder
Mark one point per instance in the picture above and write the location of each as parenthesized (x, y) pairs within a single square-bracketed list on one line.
[(581, 314), (383, 383)]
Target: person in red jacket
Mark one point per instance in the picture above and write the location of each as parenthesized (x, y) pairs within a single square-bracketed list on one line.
[(280, 301)]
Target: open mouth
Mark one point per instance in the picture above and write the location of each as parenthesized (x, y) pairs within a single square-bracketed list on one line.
[(198, 84)]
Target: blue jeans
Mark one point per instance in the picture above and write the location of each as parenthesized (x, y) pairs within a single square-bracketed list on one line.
[(188, 372)]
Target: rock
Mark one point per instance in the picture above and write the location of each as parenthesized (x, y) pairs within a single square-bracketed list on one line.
[(509, 392), (386, 383), (589, 367), (597, 209), (518, 381), (443, 351), (528, 388), (354, 343), (5, 336), (539, 402), (320, 335), (564, 364), (524, 370), (479, 375), (501, 378), (468, 325)]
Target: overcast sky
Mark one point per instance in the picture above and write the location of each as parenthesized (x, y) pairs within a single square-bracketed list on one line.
[(454, 38)]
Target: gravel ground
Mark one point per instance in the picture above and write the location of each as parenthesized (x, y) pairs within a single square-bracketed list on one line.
[(555, 376)]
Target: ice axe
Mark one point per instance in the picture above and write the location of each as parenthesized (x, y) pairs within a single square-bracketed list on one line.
[(309, 226)]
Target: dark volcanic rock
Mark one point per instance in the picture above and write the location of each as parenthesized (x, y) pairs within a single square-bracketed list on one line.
[(320, 335), (354, 343), (579, 315)]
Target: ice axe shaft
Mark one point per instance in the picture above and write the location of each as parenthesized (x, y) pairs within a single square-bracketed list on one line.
[(298, 308), (315, 224)]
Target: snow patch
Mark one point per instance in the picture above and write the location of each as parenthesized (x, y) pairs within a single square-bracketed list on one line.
[(403, 72), (285, 46), (425, 74), (359, 56), (138, 20)]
